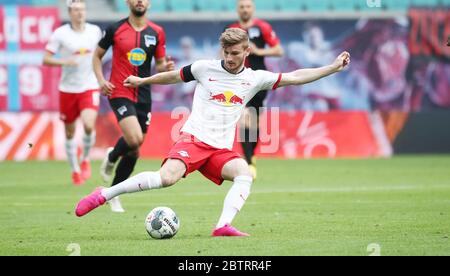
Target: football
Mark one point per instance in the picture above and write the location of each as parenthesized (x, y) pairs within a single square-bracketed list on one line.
[(162, 223)]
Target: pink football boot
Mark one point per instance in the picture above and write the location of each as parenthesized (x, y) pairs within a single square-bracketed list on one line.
[(228, 231), (90, 202)]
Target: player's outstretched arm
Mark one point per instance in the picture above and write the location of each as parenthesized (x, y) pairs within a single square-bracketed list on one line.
[(171, 77), (303, 76)]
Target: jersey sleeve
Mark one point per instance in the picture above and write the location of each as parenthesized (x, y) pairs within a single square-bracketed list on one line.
[(186, 74), (99, 33), (107, 38), (160, 50), (269, 35), (54, 44), (193, 72), (268, 80)]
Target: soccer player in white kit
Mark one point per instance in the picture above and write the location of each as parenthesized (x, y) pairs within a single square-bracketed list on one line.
[(79, 90), (223, 90)]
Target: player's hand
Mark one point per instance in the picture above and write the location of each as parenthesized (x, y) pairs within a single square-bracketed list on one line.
[(342, 61), (254, 50), (133, 82), (170, 64), (107, 88), (70, 62)]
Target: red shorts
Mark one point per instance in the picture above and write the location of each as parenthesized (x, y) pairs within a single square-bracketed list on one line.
[(199, 156), (71, 104)]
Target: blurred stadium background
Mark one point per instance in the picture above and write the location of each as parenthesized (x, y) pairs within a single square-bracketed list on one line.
[(393, 100)]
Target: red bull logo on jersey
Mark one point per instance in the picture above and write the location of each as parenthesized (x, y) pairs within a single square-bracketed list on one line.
[(227, 98), (137, 56), (83, 52)]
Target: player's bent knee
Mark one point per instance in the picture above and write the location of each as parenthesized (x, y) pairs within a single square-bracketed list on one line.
[(171, 172), (88, 129), (70, 136), (134, 143), (168, 180)]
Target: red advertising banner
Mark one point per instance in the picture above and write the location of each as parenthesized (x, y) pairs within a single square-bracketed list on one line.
[(300, 135), (38, 87), (3, 88), (37, 26), (321, 135), (2, 30)]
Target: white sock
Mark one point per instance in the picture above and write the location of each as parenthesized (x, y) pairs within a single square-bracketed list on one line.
[(138, 183), (235, 199), (88, 143), (71, 152)]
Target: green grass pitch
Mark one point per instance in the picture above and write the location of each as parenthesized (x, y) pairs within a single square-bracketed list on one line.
[(306, 207)]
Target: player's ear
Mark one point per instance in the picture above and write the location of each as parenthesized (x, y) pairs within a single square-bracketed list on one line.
[(248, 51)]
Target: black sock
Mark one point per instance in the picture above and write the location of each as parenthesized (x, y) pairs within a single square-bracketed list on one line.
[(120, 149), (125, 168), (249, 146)]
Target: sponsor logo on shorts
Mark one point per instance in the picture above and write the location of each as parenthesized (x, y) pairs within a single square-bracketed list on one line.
[(122, 110), (184, 154)]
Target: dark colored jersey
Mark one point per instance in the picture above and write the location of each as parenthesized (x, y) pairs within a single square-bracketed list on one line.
[(261, 34), (133, 53)]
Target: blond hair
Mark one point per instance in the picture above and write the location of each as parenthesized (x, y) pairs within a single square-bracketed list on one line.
[(70, 3), (234, 36)]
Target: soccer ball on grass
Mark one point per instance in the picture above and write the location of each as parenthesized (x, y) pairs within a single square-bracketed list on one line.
[(162, 223)]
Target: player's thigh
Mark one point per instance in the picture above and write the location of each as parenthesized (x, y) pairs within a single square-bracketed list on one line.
[(132, 132), (234, 168), (127, 116), (172, 171), (88, 118)]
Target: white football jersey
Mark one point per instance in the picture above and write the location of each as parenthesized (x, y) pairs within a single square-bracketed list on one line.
[(81, 46), (220, 98)]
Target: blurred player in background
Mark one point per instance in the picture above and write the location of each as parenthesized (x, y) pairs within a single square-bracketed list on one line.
[(261, 35), (135, 41), (79, 90), (208, 135)]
